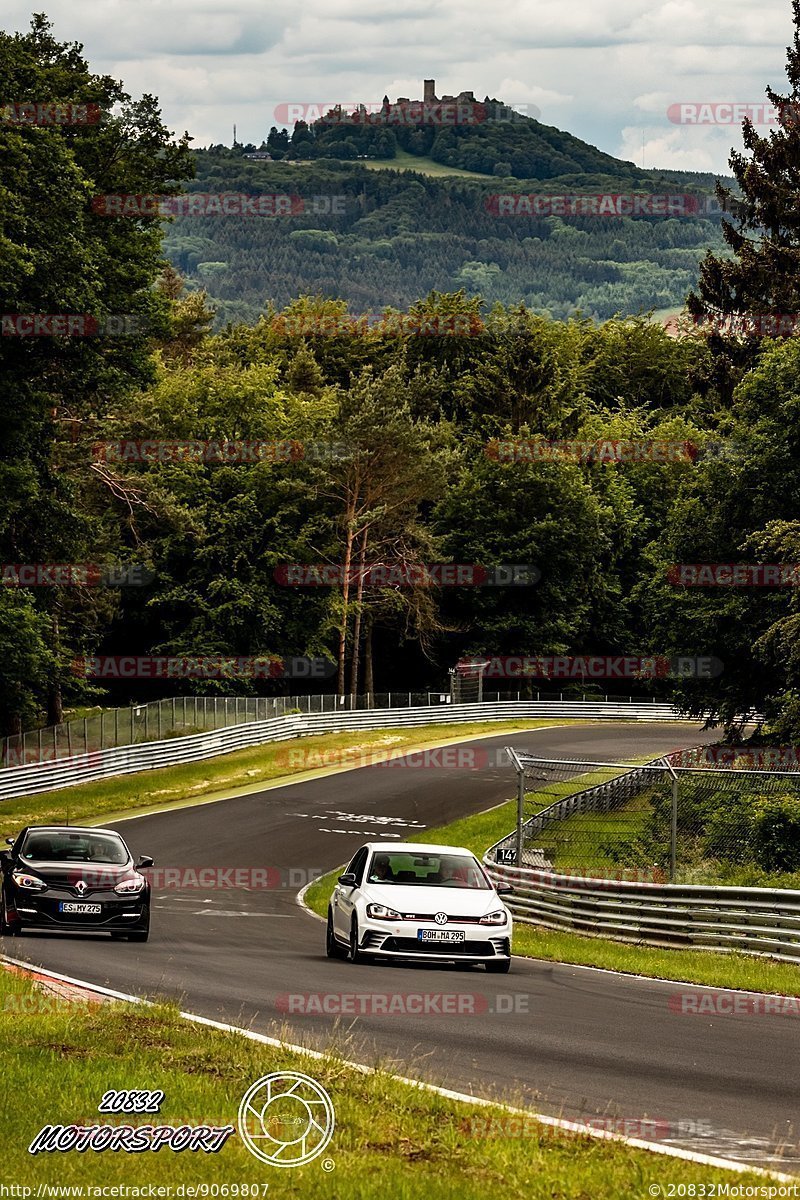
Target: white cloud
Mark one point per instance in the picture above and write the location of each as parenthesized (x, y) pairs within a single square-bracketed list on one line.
[(601, 69)]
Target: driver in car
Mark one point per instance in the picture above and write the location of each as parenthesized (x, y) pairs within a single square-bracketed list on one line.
[(381, 870)]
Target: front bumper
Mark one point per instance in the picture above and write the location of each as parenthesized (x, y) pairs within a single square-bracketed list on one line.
[(40, 910), (482, 943)]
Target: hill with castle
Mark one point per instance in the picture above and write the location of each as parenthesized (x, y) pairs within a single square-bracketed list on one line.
[(400, 198)]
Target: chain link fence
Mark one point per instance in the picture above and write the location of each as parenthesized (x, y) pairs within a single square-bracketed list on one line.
[(182, 715), (677, 819)]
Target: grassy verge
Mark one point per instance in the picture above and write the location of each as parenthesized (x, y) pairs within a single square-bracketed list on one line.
[(390, 1139), (242, 769), (694, 966)]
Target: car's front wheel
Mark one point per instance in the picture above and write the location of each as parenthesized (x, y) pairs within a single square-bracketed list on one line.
[(332, 948), (9, 928), (139, 935), (356, 955), (499, 966)]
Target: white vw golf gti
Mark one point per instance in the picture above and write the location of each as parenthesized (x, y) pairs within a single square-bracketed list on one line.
[(414, 901)]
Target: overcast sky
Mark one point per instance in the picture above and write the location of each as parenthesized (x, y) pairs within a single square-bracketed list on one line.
[(606, 70)]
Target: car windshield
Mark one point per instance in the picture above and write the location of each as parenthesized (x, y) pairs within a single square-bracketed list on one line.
[(428, 870), (62, 845)]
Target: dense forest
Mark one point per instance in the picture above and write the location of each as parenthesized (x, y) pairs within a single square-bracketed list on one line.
[(377, 238), (396, 432)]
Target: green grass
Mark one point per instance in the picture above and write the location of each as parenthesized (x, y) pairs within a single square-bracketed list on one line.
[(241, 770), (423, 165), (391, 1139), (693, 966)]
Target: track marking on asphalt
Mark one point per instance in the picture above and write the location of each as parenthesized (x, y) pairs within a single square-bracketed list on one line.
[(706, 1160)]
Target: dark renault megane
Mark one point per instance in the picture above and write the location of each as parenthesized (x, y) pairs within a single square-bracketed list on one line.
[(63, 877)]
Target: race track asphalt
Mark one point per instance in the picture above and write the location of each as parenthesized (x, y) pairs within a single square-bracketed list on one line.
[(559, 1039)]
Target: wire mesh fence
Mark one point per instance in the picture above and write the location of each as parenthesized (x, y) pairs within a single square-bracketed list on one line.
[(666, 820), (181, 715)]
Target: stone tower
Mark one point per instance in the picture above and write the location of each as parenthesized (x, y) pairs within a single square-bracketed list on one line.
[(430, 91)]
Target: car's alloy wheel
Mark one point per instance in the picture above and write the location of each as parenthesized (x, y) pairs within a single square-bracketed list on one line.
[(332, 948), (9, 928), (356, 955), (499, 966)]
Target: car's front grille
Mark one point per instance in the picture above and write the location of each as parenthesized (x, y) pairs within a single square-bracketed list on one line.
[(403, 945)]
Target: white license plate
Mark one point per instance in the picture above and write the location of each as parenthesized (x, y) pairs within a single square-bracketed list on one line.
[(68, 906), (441, 935)]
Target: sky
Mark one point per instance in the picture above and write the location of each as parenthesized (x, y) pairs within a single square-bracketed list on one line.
[(607, 71)]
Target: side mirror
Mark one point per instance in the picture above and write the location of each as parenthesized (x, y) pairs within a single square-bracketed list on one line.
[(348, 879), (504, 889), (10, 841), (144, 860)]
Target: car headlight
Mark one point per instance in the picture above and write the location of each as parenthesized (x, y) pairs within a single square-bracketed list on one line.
[(131, 885), (31, 883), (498, 917), (382, 913)]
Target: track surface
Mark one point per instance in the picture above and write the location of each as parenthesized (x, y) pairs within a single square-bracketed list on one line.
[(559, 1039)]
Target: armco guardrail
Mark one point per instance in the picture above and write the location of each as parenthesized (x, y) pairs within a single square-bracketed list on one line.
[(763, 921), (34, 778)]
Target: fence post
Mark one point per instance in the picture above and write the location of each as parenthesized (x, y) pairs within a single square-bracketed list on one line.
[(673, 844), (520, 811), (116, 730), (85, 737), (159, 720)]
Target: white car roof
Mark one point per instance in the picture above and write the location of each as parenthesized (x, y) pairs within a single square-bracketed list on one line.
[(71, 829), (416, 848)]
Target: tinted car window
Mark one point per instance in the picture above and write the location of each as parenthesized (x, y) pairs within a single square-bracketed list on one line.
[(428, 870), (53, 845), (358, 864)]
